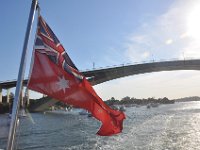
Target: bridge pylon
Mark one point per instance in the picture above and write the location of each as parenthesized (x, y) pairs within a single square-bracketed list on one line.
[(8, 96), (0, 94)]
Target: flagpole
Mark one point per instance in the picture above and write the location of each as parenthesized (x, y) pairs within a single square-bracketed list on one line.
[(16, 102)]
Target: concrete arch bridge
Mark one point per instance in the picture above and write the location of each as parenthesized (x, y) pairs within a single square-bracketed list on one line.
[(101, 75)]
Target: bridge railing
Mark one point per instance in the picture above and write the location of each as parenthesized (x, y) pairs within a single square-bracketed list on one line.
[(141, 62)]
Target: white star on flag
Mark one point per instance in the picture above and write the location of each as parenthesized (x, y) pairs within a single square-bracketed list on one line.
[(63, 83)]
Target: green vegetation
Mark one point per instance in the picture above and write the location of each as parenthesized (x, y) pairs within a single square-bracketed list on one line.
[(186, 99), (134, 101), (126, 101)]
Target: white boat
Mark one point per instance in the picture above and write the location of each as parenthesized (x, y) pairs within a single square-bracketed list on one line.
[(154, 104), (122, 108), (63, 112), (85, 112)]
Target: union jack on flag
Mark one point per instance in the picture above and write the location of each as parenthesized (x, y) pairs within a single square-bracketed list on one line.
[(47, 43)]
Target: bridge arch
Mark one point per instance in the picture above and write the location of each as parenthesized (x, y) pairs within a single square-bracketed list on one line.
[(103, 75)]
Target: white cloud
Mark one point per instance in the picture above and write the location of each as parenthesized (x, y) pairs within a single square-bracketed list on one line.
[(136, 54), (139, 39), (192, 50), (169, 41), (165, 37), (153, 37), (183, 35)]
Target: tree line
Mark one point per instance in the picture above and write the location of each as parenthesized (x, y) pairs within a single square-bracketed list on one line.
[(129, 101)]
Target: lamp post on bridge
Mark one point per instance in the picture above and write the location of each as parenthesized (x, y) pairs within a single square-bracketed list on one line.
[(183, 56), (152, 58), (93, 65)]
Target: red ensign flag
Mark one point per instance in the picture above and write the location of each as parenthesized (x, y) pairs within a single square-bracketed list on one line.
[(53, 73)]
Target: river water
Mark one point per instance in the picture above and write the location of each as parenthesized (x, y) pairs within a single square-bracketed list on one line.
[(167, 127)]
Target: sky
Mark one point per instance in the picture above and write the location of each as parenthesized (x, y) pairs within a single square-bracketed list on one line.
[(106, 33)]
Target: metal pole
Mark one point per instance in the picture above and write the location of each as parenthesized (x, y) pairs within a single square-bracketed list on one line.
[(16, 102)]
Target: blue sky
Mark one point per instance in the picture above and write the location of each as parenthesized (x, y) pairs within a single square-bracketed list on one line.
[(112, 33)]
